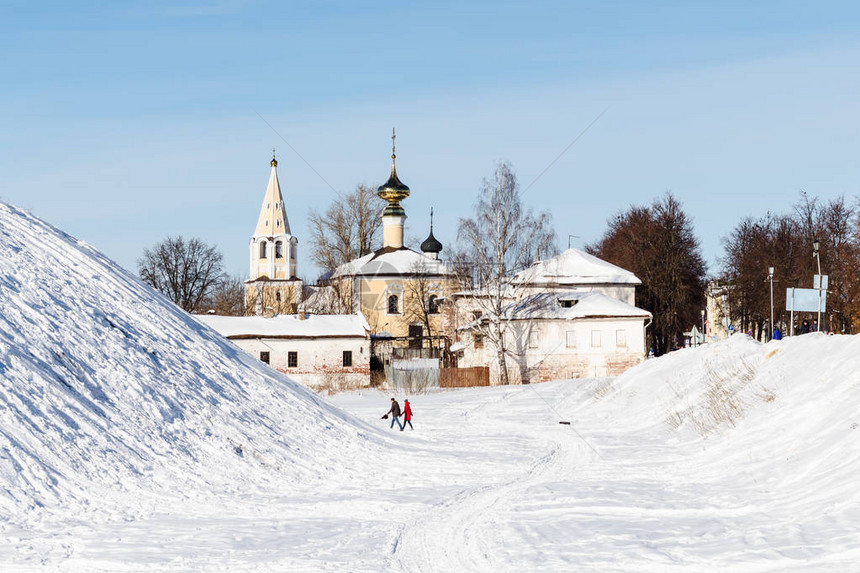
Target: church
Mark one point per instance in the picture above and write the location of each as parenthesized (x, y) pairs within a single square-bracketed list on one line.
[(397, 289)]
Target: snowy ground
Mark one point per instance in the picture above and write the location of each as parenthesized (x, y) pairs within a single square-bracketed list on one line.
[(133, 439)]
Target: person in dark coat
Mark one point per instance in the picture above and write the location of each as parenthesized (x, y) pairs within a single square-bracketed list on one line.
[(804, 328), (395, 414), (777, 335), (407, 416)]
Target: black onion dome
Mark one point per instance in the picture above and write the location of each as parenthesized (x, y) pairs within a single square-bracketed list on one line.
[(430, 244)]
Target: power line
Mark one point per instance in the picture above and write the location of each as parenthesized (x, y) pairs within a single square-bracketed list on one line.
[(577, 138), (296, 152)]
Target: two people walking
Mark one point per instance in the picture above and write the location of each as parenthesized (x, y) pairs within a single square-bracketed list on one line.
[(395, 414)]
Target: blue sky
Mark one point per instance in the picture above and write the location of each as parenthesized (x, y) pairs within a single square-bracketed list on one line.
[(127, 122)]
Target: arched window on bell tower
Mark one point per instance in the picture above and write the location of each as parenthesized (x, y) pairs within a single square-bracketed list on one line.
[(262, 249), (279, 249)]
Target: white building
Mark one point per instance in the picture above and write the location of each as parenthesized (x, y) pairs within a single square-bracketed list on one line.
[(556, 335), (320, 351), (570, 316)]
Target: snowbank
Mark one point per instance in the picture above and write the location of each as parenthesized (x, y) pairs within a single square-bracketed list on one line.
[(109, 392)]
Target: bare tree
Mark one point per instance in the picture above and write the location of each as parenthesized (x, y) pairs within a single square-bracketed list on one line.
[(186, 271), (502, 237), (348, 229), (658, 245), (227, 297), (421, 293), (785, 243)]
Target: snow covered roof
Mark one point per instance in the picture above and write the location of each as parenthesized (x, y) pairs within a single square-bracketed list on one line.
[(574, 267), (547, 306), (288, 326), (584, 305), (393, 261)]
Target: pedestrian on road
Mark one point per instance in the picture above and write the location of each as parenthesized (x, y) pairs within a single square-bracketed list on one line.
[(395, 414), (804, 328), (777, 335), (407, 416)]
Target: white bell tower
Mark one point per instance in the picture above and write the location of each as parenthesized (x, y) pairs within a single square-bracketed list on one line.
[(273, 285)]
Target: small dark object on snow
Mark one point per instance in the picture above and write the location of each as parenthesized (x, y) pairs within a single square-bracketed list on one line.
[(565, 423)]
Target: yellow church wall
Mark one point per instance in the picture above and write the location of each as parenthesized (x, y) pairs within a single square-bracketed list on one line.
[(266, 293), (373, 302)]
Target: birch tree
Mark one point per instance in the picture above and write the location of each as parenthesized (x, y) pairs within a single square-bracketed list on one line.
[(501, 238)]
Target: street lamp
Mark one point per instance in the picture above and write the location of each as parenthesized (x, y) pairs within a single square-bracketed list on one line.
[(815, 246), (770, 277), (704, 339)]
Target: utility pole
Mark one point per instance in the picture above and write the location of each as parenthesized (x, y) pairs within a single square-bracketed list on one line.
[(815, 246), (770, 276)]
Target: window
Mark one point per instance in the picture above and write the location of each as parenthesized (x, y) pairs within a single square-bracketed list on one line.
[(347, 358), (264, 357), (479, 340), (571, 339), (433, 304), (393, 294), (534, 339), (621, 339), (595, 339), (278, 296), (292, 359), (263, 249), (279, 249)]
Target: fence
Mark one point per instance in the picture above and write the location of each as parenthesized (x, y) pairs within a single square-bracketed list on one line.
[(464, 377), (412, 380)]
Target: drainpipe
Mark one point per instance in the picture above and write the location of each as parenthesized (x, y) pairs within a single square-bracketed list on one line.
[(644, 337)]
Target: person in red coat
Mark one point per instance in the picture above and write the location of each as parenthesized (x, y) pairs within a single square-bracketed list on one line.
[(407, 416)]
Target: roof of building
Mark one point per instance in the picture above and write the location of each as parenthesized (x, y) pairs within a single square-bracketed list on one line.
[(574, 267), (548, 305), (431, 244), (393, 261), (393, 190), (273, 215), (288, 326)]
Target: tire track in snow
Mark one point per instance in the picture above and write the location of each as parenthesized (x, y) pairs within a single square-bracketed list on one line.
[(457, 535)]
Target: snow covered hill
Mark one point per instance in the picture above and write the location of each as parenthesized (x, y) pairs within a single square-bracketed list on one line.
[(109, 392)]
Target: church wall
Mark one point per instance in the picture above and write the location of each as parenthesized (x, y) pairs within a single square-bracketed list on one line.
[(373, 301), (261, 295)]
